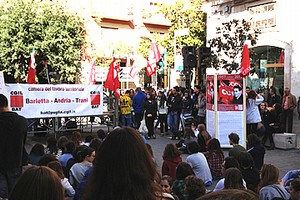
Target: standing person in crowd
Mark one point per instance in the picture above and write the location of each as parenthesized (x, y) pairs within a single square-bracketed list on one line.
[(44, 71), (37, 151), (270, 187), (273, 98), (137, 105), (199, 163), (252, 112), (171, 159), (201, 115), (256, 149), (12, 147), (67, 154), (203, 137), (234, 141), (125, 107), (183, 170), (150, 112), (186, 108), (289, 104), (174, 108), (52, 147), (215, 158), (36, 183), (162, 112), (195, 100), (115, 174), (237, 95)]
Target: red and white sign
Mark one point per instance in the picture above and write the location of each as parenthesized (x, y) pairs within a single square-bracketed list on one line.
[(44, 101)]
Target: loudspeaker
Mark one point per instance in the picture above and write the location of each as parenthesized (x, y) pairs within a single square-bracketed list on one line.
[(203, 53), (189, 57)]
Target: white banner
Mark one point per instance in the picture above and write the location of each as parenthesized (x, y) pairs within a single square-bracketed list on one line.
[(2, 84), (44, 101)]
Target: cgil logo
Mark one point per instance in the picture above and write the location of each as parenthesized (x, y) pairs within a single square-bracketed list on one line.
[(16, 100), (95, 99)]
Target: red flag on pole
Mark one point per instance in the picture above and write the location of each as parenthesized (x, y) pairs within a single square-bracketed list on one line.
[(245, 64), (93, 73), (281, 57), (31, 70), (112, 80), (154, 57)]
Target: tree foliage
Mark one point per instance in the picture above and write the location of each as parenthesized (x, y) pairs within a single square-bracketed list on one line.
[(181, 16), (50, 29), (227, 46)]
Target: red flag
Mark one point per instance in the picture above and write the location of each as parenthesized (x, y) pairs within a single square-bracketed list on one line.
[(31, 70), (112, 80), (245, 64), (154, 57), (133, 71), (281, 57), (93, 73)]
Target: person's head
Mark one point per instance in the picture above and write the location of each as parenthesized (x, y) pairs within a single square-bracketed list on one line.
[(248, 89), (295, 189), (287, 91), (269, 175), (194, 187), (87, 154), (38, 149), (245, 160), (160, 93), (115, 174), (202, 92), (56, 166), (61, 142), (138, 89), (76, 138), (127, 92), (234, 138), (214, 145), (233, 179), (3, 103), (149, 95), (166, 183), (36, 183), (196, 88), (253, 140), (95, 144), (277, 108), (101, 134), (45, 59), (183, 170), (175, 91), (263, 105), (171, 151), (230, 194), (272, 91), (229, 162), (252, 94), (70, 147), (201, 127), (88, 138), (188, 132), (52, 143), (46, 158), (237, 91), (193, 147)]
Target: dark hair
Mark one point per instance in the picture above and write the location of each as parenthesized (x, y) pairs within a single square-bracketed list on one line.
[(36, 183), (56, 166), (253, 140), (183, 170), (214, 146), (171, 151), (88, 138), (194, 187), (252, 94), (230, 194), (52, 145), (95, 144), (233, 179), (295, 184), (3, 101), (188, 132), (101, 134), (115, 174), (70, 147), (193, 147), (234, 137), (38, 149), (45, 58), (230, 161), (76, 138), (61, 142), (45, 159), (245, 160), (167, 178), (238, 87)]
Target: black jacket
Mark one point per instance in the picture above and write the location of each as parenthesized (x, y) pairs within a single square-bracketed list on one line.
[(13, 133)]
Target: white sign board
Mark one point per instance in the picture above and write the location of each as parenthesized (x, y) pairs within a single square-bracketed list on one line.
[(44, 101), (2, 84)]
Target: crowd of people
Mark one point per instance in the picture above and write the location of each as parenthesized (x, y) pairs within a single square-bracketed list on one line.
[(120, 164)]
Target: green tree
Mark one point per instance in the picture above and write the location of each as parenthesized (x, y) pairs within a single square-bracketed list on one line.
[(181, 15), (50, 29), (227, 46)]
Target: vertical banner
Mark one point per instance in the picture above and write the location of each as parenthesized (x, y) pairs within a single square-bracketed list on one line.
[(2, 84), (66, 100), (226, 107)]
